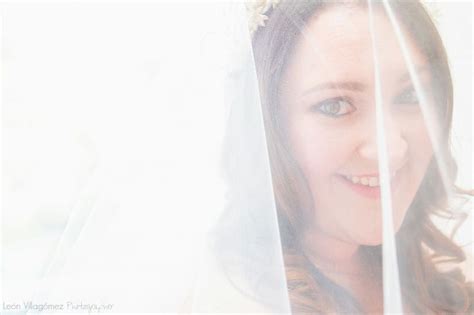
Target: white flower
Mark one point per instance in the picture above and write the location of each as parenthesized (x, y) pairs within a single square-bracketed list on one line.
[(256, 12), (433, 10)]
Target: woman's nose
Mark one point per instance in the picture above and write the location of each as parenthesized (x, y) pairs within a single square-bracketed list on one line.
[(396, 143)]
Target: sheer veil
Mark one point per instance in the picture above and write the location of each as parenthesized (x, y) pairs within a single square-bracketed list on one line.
[(143, 172)]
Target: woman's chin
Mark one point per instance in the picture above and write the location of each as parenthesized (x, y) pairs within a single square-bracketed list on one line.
[(375, 236)]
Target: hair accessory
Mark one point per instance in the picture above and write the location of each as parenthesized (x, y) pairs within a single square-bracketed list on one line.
[(256, 12), (433, 9)]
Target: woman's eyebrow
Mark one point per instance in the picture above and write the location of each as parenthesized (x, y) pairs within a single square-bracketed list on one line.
[(346, 85), (419, 70)]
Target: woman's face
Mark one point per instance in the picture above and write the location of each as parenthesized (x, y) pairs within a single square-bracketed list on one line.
[(328, 104)]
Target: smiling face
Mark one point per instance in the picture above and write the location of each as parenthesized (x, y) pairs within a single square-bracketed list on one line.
[(327, 97)]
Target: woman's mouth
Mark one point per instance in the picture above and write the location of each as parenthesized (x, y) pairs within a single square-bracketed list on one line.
[(366, 185), (371, 181)]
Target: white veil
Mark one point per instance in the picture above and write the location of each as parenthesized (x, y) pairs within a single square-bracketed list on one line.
[(136, 169)]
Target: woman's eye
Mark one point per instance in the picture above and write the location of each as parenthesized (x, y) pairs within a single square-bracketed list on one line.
[(409, 96), (336, 107)]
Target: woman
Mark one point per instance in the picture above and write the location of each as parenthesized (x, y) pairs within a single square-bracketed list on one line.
[(318, 77)]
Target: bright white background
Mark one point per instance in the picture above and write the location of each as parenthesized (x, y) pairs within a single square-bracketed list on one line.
[(79, 102)]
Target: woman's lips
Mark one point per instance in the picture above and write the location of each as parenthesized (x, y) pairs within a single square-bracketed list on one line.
[(368, 191)]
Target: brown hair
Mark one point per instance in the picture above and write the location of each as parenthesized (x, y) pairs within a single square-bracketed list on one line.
[(424, 287)]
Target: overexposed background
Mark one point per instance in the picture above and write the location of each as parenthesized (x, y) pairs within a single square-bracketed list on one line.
[(80, 105)]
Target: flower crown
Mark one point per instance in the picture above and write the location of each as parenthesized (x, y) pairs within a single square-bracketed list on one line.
[(257, 12)]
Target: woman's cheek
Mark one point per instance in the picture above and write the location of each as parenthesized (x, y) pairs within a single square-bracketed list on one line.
[(320, 151), (419, 143)]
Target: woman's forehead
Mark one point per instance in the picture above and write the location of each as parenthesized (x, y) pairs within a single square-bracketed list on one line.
[(339, 43)]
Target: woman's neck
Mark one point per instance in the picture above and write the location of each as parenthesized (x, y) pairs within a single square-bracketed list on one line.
[(344, 264)]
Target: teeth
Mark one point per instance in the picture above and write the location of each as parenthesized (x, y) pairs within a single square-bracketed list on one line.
[(373, 181), (365, 181)]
